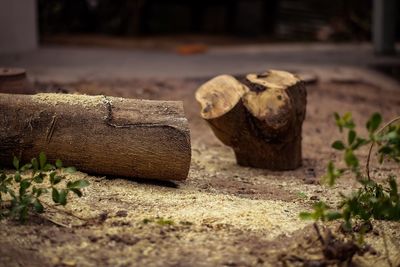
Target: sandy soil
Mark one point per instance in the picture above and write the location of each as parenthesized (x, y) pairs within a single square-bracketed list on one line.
[(222, 215)]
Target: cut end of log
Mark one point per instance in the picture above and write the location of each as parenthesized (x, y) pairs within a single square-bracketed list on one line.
[(270, 95), (260, 116), (273, 79), (219, 95), (262, 94)]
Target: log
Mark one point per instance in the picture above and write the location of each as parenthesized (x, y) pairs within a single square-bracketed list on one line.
[(98, 134), (260, 116)]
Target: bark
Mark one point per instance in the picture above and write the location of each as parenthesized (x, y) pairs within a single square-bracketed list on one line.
[(259, 116), (98, 134)]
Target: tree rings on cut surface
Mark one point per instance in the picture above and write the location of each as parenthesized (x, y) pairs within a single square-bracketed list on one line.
[(260, 116)]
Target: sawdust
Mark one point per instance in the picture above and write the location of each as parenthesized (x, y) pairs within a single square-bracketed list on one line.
[(69, 99), (268, 216)]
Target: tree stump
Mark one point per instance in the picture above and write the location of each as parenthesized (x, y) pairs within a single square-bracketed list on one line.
[(98, 134), (15, 81), (260, 116)]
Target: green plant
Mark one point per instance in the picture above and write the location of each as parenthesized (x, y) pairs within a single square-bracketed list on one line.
[(32, 181), (159, 220), (372, 200)]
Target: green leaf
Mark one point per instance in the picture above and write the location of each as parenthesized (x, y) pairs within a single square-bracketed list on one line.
[(52, 175), (163, 222), (385, 150), (35, 164), (306, 216), (39, 178), (26, 167), (338, 121), (347, 116), (350, 159), (62, 197), (39, 191), (42, 160), (351, 137), (70, 170), (23, 185), (37, 205), (333, 215), (336, 115), (331, 167), (332, 174), (20, 211), (76, 191), (338, 145), (359, 142), (347, 121), (57, 179), (16, 163), (77, 184), (17, 177), (374, 122), (393, 187), (59, 164), (55, 195), (48, 167)]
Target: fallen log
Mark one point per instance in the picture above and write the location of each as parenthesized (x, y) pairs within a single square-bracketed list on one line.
[(260, 116), (98, 134)]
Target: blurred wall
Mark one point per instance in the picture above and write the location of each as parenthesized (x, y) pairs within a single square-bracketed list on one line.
[(18, 26)]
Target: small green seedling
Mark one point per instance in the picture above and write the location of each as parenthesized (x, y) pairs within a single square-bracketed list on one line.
[(302, 195), (160, 221), (32, 181)]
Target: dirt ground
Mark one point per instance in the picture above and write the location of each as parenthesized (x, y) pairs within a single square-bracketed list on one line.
[(222, 215)]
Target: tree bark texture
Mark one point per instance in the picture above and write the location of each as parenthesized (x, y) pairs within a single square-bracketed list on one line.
[(260, 116), (98, 134)]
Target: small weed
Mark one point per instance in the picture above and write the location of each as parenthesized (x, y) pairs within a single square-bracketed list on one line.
[(302, 195), (162, 221), (372, 200), (29, 190)]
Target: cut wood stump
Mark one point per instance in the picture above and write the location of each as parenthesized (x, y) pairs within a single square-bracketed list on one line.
[(98, 134), (15, 81), (260, 116)]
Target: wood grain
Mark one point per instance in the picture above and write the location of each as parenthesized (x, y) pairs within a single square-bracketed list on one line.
[(98, 134), (260, 116)]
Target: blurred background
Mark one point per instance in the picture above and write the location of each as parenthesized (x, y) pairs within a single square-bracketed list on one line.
[(41, 33), (276, 19), (258, 20)]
